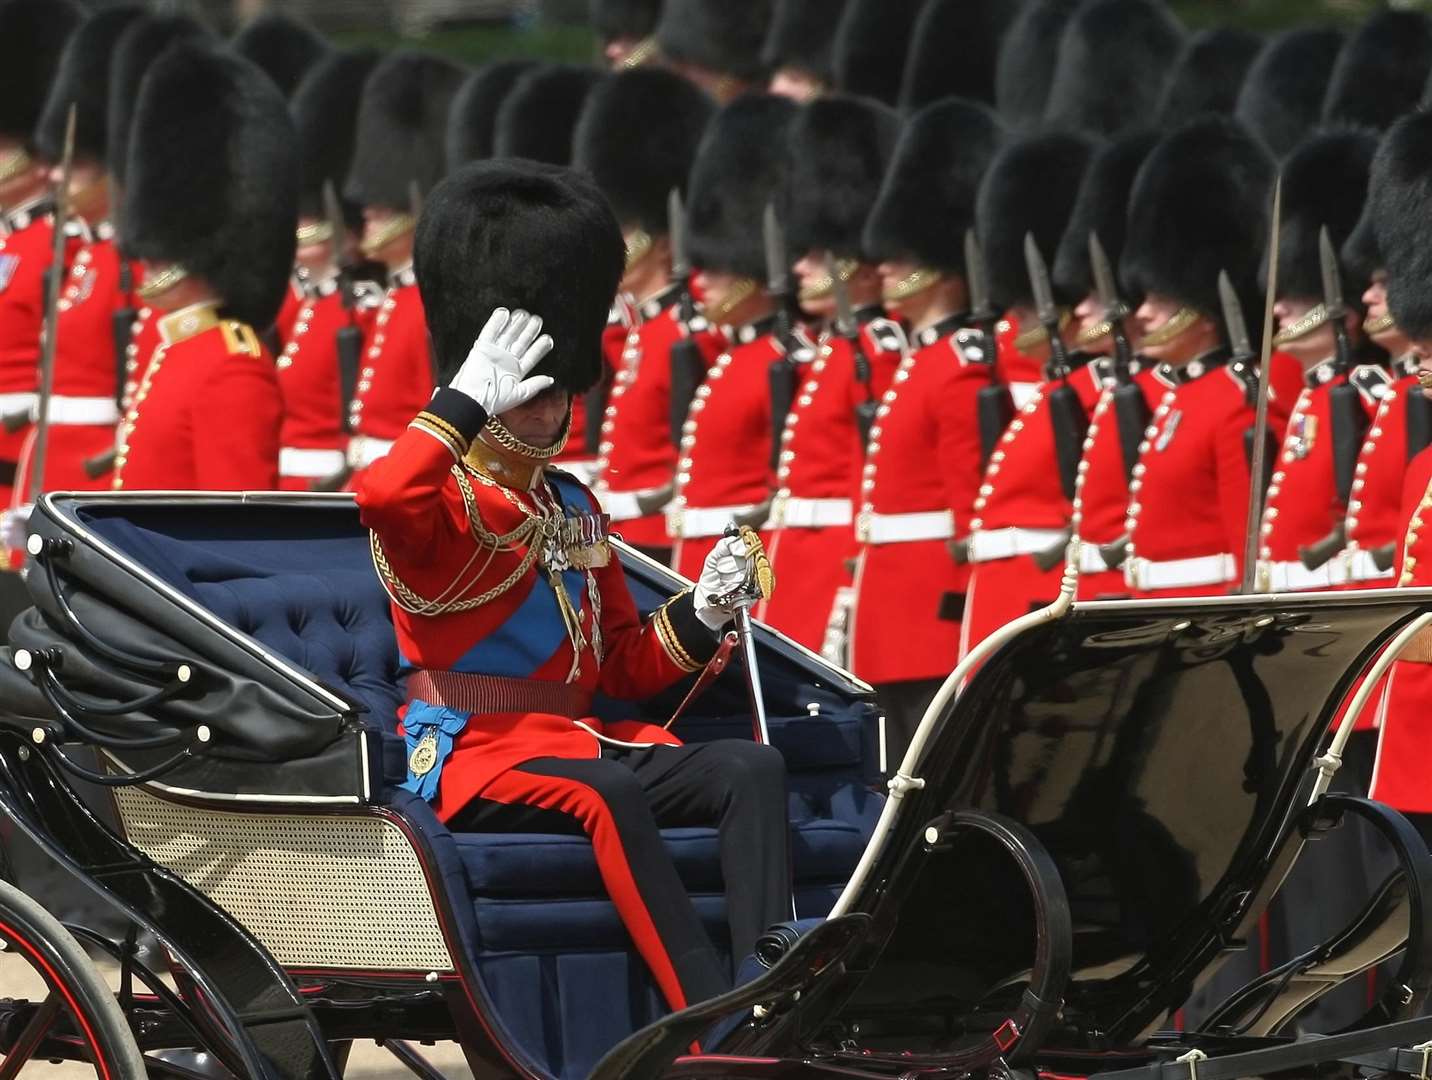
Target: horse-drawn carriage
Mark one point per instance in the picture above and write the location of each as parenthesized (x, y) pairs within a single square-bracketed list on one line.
[(197, 731)]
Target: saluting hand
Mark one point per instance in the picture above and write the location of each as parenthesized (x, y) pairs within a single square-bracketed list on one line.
[(497, 373)]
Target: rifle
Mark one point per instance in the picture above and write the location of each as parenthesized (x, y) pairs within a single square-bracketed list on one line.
[(1349, 418), (993, 404), (1131, 408), (782, 373), (348, 337), (1066, 411), (848, 327), (1258, 454), (688, 366)]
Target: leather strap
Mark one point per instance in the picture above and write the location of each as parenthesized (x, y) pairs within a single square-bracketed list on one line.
[(467, 692)]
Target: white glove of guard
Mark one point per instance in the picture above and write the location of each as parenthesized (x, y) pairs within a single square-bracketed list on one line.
[(495, 373), (15, 527), (725, 570)]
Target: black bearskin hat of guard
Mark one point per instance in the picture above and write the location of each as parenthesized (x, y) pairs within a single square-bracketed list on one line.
[(870, 47), (1100, 207), (838, 150), (1029, 188), (537, 119), (1324, 184), (739, 170), (325, 112), (1400, 198), (1361, 256), (1381, 70), (716, 35), (33, 34), (1208, 75), (1200, 204), (520, 234), (284, 47), (402, 129), (1024, 69), (213, 177), (970, 30), (802, 36), (1282, 95), (637, 138), (83, 81), (1114, 61), (927, 200), (138, 47), (613, 20), (472, 119)]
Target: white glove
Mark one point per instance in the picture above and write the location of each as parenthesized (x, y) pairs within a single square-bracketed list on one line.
[(724, 571), (495, 373), (15, 527)]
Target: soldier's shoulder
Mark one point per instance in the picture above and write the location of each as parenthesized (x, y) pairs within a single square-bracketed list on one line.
[(1373, 382), (367, 295), (887, 335), (239, 339), (973, 347)]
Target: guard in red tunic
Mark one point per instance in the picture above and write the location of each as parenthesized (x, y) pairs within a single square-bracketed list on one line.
[(924, 456), (838, 150), (725, 470), (399, 153), (507, 643), (207, 411), (637, 137)]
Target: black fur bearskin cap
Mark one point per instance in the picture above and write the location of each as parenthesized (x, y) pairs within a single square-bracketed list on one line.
[(33, 34), (472, 119), (1024, 69), (612, 20), (1400, 200), (537, 119), (284, 47), (1208, 75), (325, 111), (802, 36), (143, 40), (1282, 95), (718, 35), (1381, 70), (83, 81), (871, 44), (1101, 207), (971, 30)]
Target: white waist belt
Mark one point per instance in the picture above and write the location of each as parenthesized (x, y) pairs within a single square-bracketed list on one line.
[(814, 513), (1091, 561), (79, 411), (1293, 576), (990, 544), (626, 505), (1360, 567), (25, 401), (1181, 573), (363, 450), (308, 464), (907, 528), (698, 521)]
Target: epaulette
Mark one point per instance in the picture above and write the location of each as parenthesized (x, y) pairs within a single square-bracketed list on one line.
[(240, 339), (1245, 377), (1373, 382), (888, 335), (974, 346), (367, 295)]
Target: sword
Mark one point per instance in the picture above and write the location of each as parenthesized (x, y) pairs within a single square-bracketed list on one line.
[(740, 600), (1260, 424), (52, 311), (1045, 307), (1115, 310)]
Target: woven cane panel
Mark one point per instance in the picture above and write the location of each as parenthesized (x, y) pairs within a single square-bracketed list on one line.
[(318, 891)]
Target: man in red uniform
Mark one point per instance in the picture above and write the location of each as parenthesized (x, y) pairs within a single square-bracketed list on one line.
[(637, 138), (508, 642), (838, 150), (724, 471), (215, 235), (399, 153), (924, 457)]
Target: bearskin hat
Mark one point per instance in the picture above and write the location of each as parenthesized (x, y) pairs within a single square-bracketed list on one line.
[(520, 234), (739, 170), (284, 47), (1282, 95), (968, 29), (536, 120), (838, 149), (83, 81), (802, 35), (1029, 188), (1400, 198), (213, 177), (472, 119), (1114, 61), (1208, 75), (637, 138), (32, 37), (614, 19), (1024, 69), (402, 129), (1361, 257), (1100, 207), (137, 48), (717, 35), (1380, 72), (1324, 184), (927, 200), (325, 111), (1200, 205), (870, 46)]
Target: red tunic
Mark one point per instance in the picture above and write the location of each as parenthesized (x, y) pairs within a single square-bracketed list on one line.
[(206, 415), (916, 495), (144, 339), (1374, 517), (312, 437), (396, 379)]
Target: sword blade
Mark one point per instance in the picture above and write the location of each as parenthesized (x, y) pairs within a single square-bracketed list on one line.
[(1260, 426), (777, 272), (760, 728), (1105, 285)]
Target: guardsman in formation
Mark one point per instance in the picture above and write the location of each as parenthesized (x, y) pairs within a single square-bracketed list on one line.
[(33, 34), (637, 138), (527, 631), (923, 460), (724, 471), (285, 48), (472, 116), (320, 329), (625, 28), (799, 50), (838, 151), (399, 153), (214, 232), (715, 43)]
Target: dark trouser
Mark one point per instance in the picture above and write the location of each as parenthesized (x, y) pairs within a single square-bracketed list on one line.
[(621, 801), (904, 704)]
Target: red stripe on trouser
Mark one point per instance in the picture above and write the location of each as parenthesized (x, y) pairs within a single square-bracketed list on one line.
[(583, 803)]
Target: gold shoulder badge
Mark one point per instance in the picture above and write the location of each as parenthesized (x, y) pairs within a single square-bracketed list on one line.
[(240, 339)]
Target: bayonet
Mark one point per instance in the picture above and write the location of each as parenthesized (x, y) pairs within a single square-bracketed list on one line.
[(688, 366), (1333, 302), (848, 327), (982, 311), (781, 374), (1115, 310), (845, 323), (1259, 455), (337, 227), (676, 230), (1233, 319), (1044, 305), (778, 279), (415, 199)]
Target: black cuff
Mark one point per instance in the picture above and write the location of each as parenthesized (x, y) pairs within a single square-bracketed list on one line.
[(453, 417), (688, 641)]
